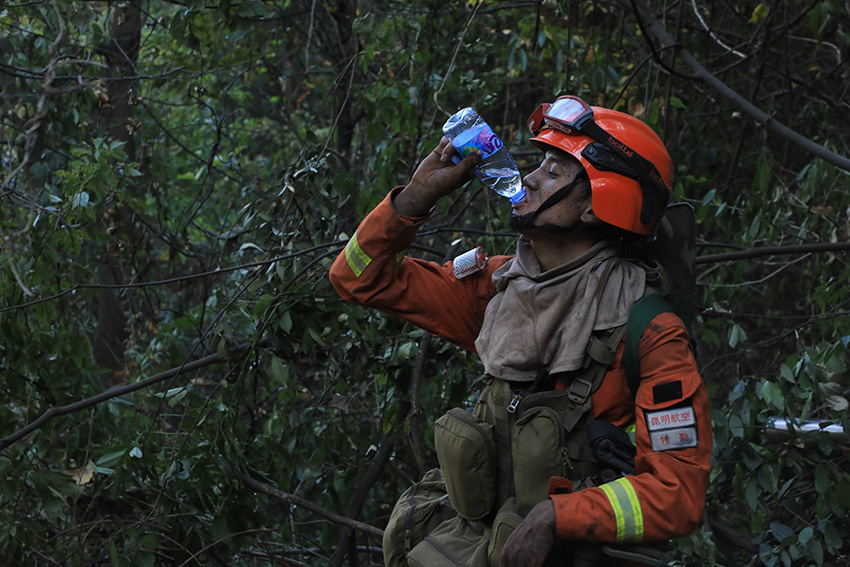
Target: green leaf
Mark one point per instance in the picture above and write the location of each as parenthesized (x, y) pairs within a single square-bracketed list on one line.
[(767, 555), (736, 426), (363, 25), (772, 395), (786, 486), (781, 532), (815, 549), (110, 459), (253, 8), (767, 479), (285, 321), (676, 102), (278, 370), (751, 493), (759, 13), (315, 336), (81, 199), (841, 493), (786, 373), (822, 479), (832, 537), (736, 335)]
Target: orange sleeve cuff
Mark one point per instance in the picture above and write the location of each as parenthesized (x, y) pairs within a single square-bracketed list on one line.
[(584, 515)]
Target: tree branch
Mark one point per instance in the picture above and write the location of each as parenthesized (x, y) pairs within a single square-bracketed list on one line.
[(759, 115), (293, 500), (732, 535), (180, 278), (355, 505), (417, 417), (115, 392), (41, 111), (774, 251)]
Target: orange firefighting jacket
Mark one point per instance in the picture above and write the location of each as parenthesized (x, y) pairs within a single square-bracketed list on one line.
[(670, 411)]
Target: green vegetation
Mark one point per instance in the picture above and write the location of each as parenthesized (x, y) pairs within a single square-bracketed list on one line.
[(177, 177)]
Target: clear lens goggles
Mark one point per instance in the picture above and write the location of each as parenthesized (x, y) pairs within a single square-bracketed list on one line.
[(573, 116), (566, 114)]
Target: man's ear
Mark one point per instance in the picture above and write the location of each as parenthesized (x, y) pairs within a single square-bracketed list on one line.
[(588, 217)]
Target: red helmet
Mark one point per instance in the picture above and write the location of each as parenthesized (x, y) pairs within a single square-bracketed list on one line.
[(619, 197)]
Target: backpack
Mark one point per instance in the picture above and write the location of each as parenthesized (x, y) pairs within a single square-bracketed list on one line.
[(419, 510), (670, 259)]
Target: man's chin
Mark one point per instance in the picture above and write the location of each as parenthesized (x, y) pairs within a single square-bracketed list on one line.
[(520, 223)]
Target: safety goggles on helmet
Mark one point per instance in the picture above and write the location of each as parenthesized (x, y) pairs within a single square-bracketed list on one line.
[(573, 116)]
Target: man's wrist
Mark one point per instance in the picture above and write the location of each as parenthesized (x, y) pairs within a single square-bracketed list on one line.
[(410, 202)]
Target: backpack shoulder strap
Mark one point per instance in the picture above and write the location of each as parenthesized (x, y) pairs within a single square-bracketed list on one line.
[(642, 312)]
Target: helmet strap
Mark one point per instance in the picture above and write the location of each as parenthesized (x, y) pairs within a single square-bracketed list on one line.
[(526, 221)]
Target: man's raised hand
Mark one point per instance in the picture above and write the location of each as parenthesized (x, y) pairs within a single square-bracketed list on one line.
[(435, 178)]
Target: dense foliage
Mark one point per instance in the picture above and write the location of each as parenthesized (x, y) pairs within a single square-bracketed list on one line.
[(178, 176)]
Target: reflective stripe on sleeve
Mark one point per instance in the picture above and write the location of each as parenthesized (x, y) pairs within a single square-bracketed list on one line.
[(623, 498), (356, 258)]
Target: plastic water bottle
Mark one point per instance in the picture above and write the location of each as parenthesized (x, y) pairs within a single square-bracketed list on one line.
[(498, 170)]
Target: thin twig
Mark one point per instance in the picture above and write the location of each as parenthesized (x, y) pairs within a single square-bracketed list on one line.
[(18, 279), (451, 66), (174, 280), (293, 500), (41, 110), (756, 113), (355, 505), (774, 251), (713, 35), (114, 393)]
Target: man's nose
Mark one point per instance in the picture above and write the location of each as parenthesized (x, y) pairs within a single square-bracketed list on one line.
[(529, 181)]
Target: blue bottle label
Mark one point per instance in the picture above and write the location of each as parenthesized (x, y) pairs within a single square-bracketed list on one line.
[(483, 142)]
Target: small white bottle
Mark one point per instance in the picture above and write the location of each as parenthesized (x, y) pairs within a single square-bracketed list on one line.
[(498, 170)]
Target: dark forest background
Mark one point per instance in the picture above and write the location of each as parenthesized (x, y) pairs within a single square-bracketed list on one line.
[(180, 385)]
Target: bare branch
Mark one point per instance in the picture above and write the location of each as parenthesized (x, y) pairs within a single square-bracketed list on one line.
[(774, 251), (355, 505), (759, 115), (115, 392), (18, 279), (293, 500), (712, 34), (41, 110), (183, 278)]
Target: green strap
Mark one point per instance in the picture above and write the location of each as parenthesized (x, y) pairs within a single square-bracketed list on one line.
[(642, 312)]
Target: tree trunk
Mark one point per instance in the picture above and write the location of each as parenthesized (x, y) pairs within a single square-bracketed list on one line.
[(121, 54)]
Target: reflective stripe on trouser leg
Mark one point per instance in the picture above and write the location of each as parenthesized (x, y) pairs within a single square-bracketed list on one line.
[(623, 498), (356, 258)]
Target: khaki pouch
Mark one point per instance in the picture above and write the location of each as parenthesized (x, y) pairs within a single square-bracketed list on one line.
[(467, 455), (419, 510), (455, 543), (538, 455), (507, 520)]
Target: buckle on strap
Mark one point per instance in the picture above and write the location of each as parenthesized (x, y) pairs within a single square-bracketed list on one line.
[(576, 394)]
